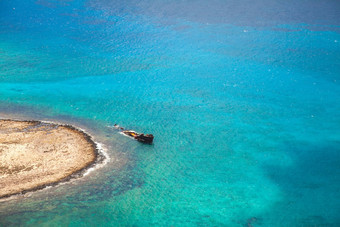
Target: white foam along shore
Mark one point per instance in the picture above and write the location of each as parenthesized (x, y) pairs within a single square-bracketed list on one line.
[(100, 147)]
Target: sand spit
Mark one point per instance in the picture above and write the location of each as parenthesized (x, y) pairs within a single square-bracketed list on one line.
[(34, 155)]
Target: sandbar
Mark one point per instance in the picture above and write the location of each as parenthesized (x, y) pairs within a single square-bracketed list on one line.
[(35, 154)]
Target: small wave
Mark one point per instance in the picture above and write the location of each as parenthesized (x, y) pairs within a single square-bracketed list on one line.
[(103, 151)]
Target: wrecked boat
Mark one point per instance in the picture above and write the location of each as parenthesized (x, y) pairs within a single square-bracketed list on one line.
[(140, 137), (147, 138)]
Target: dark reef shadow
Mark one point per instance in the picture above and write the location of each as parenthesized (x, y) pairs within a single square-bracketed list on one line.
[(311, 185)]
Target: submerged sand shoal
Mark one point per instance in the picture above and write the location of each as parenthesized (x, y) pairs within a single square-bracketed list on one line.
[(35, 154)]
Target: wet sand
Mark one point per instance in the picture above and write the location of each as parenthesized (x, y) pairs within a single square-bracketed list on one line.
[(34, 155)]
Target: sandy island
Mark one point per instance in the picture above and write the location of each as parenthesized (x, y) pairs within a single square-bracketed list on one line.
[(35, 154)]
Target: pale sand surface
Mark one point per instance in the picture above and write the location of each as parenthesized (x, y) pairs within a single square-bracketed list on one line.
[(35, 154)]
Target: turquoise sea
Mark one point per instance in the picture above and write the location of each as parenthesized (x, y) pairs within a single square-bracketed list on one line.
[(243, 99)]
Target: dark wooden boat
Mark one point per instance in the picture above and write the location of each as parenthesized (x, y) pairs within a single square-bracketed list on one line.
[(148, 138)]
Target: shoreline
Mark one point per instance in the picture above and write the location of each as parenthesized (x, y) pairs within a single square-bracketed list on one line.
[(99, 158)]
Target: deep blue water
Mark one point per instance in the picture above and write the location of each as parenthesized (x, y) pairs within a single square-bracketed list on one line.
[(242, 97)]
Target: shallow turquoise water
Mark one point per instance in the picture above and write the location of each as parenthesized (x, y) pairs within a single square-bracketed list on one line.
[(244, 108)]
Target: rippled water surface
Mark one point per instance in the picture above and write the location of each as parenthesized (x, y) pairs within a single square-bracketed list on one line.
[(242, 97)]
